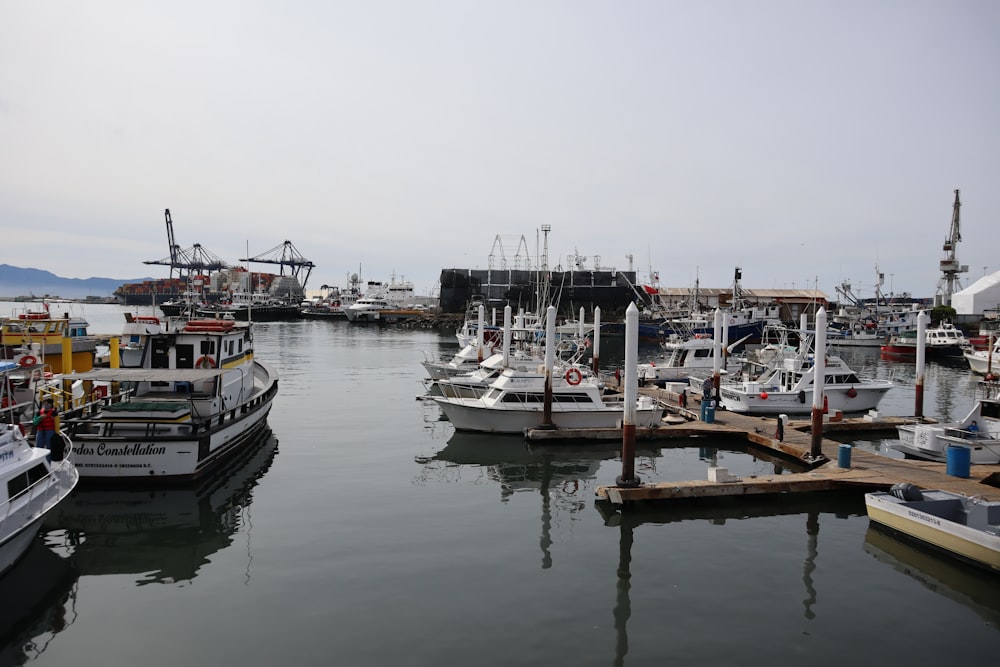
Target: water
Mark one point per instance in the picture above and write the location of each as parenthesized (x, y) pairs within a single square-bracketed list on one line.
[(365, 532)]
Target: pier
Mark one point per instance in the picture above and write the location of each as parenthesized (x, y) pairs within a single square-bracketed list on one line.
[(867, 471)]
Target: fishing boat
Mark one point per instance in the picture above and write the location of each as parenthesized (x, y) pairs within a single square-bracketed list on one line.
[(945, 340), (979, 432), (242, 305), (515, 400), (965, 527), (31, 485), (39, 338), (198, 397), (787, 383), (901, 346)]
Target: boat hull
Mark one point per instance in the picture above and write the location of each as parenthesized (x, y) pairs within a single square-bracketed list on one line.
[(761, 401), (172, 457), (930, 442), (473, 415), (916, 520)]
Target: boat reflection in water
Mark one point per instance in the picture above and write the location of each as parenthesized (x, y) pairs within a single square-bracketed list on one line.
[(166, 534), (955, 580), (39, 602)]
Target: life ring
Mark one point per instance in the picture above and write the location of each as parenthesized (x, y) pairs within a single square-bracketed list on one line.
[(205, 362), (27, 360), (573, 376), (732, 320)]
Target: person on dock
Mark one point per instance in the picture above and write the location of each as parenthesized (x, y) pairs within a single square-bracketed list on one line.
[(707, 389)]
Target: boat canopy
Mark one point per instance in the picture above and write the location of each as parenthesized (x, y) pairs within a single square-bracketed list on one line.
[(148, 374)]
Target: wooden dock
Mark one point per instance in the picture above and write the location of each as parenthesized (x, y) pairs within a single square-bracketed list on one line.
[(867, 471)]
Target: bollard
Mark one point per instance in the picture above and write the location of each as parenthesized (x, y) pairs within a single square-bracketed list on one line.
[(844, 456)]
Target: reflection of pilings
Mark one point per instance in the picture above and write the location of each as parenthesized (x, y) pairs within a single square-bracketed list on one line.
[(812, 530), (546, 539), (623, 601)]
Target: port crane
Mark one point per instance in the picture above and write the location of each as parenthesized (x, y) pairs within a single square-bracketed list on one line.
[(286, 255), (193, 260), (949, 282)]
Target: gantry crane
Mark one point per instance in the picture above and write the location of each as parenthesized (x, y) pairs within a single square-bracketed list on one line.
[(286, 254), (192, 260)]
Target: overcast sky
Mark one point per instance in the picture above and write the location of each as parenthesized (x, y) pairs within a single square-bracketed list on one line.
[(807, 142)]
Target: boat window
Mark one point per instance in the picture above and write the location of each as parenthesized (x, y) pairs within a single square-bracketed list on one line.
[(20, 483), (707, 352), (990, 409), (208, 347)]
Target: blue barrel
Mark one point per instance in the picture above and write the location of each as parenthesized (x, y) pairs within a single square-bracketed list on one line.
[(844, 456), (959, 457), (710, 412)]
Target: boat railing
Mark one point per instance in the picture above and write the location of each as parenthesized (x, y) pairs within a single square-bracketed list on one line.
[(40, 494)]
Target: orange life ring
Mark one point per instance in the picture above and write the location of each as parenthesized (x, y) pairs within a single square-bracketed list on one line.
[(573, 376), (27, 360), (205, 362)]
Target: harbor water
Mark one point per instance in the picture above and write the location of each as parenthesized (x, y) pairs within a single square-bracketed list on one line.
[(364, 531)]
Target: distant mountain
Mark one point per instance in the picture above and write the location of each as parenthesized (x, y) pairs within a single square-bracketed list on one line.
[(16, 281)]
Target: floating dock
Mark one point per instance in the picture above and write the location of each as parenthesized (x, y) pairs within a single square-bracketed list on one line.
[(866, 472)]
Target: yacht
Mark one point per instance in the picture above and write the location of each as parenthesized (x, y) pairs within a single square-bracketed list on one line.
[(31, 485)]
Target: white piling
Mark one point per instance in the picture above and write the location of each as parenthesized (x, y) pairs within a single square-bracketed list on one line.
[(481, 333), (918, 394), (506, 335), (819, 373)]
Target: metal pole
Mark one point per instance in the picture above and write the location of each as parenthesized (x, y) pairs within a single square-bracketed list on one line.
[(628, 477)]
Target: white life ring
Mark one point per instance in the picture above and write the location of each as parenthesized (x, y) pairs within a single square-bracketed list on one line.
[(573, 376)]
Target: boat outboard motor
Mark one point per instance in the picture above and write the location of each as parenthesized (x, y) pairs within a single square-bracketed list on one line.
[(906, 491)]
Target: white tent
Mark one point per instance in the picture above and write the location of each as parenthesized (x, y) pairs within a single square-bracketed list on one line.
[(980, 296)]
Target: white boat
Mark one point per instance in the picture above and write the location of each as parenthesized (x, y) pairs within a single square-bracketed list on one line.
[(986, 361), (931, 441), (856, 334), (465, 361), (475, 383), (965, 527), (515, 401), (30, 486), (786, 385), (684, 357), (381, 297), (198, 397)]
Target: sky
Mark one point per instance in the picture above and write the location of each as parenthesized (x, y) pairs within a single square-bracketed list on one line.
[(807, 142)]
